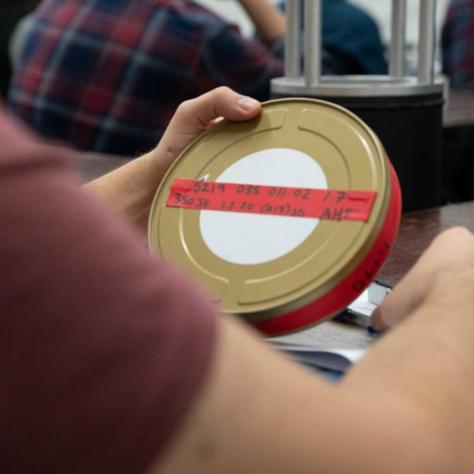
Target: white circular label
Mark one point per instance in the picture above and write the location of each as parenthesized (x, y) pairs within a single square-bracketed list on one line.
[(248, 239)]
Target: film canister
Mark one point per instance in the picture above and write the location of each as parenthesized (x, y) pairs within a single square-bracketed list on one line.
[(284, 219)]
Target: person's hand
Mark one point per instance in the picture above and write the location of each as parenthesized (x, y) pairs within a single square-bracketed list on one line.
[(195, 116), (130, 188), (446, 267)]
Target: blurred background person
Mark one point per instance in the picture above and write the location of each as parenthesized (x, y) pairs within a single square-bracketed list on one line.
[(11, 11), (106, 76), (457, 44), (352, 43)]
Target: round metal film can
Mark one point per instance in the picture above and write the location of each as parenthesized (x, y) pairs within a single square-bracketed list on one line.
[(265, 214)]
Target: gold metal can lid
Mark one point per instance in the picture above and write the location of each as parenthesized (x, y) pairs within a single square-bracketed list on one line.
[(234, 228)]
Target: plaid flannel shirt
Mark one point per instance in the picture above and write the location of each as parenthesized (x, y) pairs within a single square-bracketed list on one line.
[(107, 75), (457, 44)]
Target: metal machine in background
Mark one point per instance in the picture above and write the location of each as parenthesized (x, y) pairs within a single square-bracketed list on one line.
[(405, 111)]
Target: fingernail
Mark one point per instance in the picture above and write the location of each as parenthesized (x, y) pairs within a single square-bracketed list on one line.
[(247, 103)]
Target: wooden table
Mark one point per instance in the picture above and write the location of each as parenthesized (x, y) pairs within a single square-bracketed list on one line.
[(417, 229), (459, 109)]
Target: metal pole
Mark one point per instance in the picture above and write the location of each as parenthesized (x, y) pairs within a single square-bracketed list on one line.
[(292, 39), (312, 42), (426, 43), (397, 38)]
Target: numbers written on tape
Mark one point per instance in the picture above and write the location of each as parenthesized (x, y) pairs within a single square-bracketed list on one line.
[(330, 204)]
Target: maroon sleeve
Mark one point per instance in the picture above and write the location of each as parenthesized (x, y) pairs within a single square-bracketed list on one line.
[(102, 348)]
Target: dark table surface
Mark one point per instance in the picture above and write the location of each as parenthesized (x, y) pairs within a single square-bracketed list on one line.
[(459, 109), (417, 229)]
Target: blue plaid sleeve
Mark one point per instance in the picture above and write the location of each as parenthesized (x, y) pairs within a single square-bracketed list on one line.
[(244, 64)]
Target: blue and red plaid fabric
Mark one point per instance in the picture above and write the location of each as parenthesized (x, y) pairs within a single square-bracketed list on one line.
[(457, 43), (107, 75)]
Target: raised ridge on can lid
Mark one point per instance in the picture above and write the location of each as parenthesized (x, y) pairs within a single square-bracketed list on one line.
[(281, 272)]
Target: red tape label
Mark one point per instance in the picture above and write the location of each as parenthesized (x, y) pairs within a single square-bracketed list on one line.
[(271, 200)]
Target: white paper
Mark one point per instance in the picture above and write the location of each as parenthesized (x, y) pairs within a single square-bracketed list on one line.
[(329, 345)]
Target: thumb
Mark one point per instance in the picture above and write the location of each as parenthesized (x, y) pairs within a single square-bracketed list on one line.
[(196, 115), (220, 102), (403, 299), (450, 253)]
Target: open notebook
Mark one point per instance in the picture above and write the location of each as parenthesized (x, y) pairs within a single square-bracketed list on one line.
[(335, 345)]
